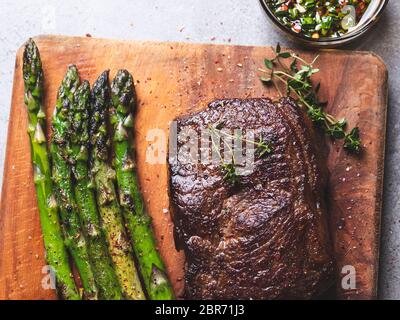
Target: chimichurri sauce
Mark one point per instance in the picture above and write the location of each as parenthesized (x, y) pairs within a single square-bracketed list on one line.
[(319, 18)]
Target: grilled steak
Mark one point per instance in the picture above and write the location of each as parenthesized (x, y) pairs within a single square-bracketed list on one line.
[(266, 236)]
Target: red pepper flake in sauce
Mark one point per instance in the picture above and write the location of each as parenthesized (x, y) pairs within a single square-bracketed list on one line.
[(319, 18)]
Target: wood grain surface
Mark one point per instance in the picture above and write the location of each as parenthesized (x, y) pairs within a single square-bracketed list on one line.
[(177, 78)]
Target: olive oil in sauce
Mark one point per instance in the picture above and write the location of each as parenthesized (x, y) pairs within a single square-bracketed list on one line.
[(319, 18)]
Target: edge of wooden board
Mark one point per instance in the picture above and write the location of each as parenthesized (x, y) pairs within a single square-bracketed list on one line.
[(58, 37), (381, 166), (380, 177)]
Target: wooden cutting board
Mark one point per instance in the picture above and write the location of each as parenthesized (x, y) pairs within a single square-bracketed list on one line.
[(177, 78)]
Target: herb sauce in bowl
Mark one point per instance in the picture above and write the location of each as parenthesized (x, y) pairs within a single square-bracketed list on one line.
[(317, 19)]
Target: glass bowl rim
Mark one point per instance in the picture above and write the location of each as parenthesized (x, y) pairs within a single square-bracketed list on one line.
[(344, 38)]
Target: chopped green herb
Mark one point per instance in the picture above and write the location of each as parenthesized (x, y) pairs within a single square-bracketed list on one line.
[(319, 18)]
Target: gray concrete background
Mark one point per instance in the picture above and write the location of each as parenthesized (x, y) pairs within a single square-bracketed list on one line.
[(200, 21)]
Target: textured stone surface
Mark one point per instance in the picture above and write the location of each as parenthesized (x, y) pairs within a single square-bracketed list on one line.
[(219, 21)]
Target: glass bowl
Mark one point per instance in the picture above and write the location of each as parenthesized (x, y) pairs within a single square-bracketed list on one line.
[(367, 22)]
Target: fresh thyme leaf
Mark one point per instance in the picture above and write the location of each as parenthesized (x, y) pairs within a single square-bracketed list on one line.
[(336, 130), (269, 64), (230, 174), (266, 80), (262, 148), (352, 140), (293, 66), (317, 87), (278, 48), (229, 169), (316, 115), (285, 55)]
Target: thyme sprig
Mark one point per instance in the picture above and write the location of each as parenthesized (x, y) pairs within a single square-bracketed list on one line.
[(230, 169), (296, 77)]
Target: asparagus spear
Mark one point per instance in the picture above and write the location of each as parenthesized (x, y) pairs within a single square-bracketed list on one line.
[(56, 253), (137, 219), (104, 176), (105, 276), (71, 224)]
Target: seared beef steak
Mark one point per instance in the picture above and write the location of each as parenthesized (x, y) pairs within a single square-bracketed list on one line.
[(266, 236)]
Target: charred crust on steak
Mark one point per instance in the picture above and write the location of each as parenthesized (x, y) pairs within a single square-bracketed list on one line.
[(268, 237)]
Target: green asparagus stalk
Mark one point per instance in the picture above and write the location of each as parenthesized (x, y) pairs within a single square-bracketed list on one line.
[(71, 224), (105, 276), (104, 177), (137, 219), (56, 253)]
